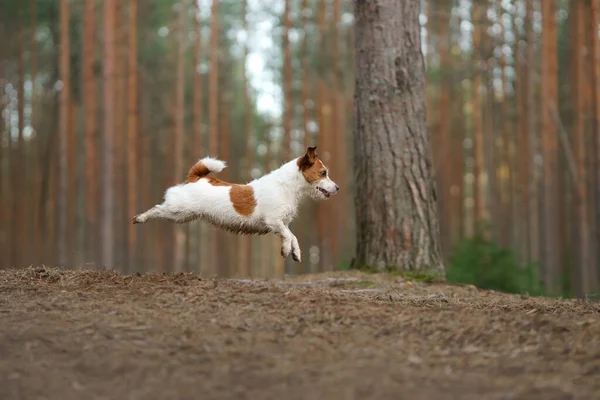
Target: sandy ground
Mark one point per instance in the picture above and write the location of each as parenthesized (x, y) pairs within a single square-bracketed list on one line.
[(91, 334)]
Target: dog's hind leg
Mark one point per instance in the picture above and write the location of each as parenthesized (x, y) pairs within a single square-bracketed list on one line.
[(155, 212), (159, 211)]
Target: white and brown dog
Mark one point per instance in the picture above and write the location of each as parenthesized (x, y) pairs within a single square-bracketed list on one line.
[(265, 205)]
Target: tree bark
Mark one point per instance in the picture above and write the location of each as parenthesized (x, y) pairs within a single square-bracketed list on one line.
[(287, 83), (397, 222), (89, 109), (108, 137), (64, 121), (533, 137), (480, 214), (549, 90), (197, 140), (595, 58), (179, 111), (213, 114), (246, 242), (132, 129)]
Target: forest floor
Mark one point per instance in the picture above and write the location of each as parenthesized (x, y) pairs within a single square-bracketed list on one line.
[(97, 334)]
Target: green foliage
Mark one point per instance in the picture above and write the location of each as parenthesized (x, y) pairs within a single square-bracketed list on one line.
[(482, 263)]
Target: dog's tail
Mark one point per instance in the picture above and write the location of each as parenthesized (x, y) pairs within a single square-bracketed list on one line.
[(204, 167)]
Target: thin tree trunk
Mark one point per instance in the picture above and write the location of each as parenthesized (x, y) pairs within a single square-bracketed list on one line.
[(5, 173), (213, 111), (505, 170), (132, 130), (197, 141), (533, 191), (246, 262), (89, 111), (287, 82), (179, 110), (550, 147), (444, 125), (397, 223), (521, 86), (19, 247), (36, 148), (108, 137), (64, 122), (480, 214), (323, 112)]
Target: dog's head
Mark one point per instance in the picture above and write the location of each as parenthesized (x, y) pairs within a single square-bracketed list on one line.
[(316, 175)]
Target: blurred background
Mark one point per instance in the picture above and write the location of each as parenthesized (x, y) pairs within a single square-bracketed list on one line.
[(105, 104)]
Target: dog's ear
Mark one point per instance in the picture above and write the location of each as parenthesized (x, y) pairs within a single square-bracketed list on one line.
[(308, 159), (311, 153)]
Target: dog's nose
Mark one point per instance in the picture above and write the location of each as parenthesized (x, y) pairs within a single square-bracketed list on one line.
[(337, 188)]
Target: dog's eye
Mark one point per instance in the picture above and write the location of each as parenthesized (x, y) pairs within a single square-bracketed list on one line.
[(324, 173)]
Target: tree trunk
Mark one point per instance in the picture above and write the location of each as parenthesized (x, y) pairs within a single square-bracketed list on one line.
[(19, 248), (246, 251), (132, 129), (179, 111), (213, 113), (64, 121), (89, 110), (197, 140), (287, 83), (549, 90), (533, 139), (444, 126), (480, 214), (397, 223), (595, 57), (108, 141)]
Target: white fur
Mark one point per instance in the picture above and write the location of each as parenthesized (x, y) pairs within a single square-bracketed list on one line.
[(213, 164), (278, 195)]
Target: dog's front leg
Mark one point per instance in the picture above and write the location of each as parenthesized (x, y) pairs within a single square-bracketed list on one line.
[(296, 253), (286, 235)]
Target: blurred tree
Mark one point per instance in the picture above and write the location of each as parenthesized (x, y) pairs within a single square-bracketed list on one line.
[(64, 121), (549, 82), (108, 135), (132, 128)]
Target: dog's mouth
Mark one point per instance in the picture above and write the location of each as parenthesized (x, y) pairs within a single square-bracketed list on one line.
[(325, 192)]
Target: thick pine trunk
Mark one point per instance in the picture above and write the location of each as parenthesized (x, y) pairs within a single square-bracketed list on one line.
[(595, 59), (397, 222)]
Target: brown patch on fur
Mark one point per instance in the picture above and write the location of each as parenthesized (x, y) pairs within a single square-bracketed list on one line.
[(308, 159), (242, 198), (216, 181), (198, 171), (312, 168)]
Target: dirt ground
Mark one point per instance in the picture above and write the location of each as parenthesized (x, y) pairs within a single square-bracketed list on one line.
[(90, 334)]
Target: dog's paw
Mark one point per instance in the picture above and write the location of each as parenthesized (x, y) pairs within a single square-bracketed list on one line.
[(138, 219), (296, 255), (285, 250)]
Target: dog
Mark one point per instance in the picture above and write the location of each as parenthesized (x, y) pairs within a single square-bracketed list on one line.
[(266, 205)]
